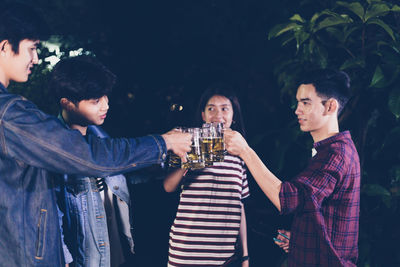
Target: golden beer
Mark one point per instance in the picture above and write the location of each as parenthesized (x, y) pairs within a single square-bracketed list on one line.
[(174, 160), (194, 157), (194, 160), (212, 149)]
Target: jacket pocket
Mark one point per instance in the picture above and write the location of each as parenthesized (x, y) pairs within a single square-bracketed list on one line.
[(41, 234)]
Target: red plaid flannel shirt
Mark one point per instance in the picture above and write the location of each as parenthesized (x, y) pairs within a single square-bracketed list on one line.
[(325, 201)]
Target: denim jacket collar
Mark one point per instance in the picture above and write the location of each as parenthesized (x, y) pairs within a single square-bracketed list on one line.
[(3, 89)]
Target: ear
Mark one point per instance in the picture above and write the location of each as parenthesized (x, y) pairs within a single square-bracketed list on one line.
[(4, 47), (331, 106), (203, 116), (66, 104)]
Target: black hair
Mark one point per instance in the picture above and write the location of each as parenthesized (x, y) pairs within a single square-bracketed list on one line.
[(225, 90), (330, 84), (81, 78), (19, 22)]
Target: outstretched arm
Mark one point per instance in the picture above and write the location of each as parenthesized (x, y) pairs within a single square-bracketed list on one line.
[(236, 145)]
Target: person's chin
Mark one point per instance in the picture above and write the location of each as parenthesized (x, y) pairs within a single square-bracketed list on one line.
[(22, 79), (303, 128)]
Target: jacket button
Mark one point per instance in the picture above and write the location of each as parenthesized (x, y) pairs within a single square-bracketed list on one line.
[(164, 156), (116, 187)]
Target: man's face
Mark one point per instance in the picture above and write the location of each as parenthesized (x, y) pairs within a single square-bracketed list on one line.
[(310, 109), (218, 109), (19, 65), (91, 112)]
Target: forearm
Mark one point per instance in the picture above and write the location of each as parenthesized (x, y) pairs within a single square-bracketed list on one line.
[(243, 232), (267, 181), (173, 180)]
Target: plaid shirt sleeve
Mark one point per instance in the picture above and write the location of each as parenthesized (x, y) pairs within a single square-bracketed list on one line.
[(307, 191)]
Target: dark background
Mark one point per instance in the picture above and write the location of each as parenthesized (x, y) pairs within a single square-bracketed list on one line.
[(168, 52)]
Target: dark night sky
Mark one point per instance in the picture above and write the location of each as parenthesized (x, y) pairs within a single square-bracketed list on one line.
[(167, 52)]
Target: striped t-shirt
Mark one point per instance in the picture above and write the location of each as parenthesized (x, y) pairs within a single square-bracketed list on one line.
[(207, 222)]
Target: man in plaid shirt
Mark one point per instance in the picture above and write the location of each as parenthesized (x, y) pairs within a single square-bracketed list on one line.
[(325, 197)]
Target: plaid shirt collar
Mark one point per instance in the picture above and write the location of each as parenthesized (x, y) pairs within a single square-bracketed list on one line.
[(340, 136)]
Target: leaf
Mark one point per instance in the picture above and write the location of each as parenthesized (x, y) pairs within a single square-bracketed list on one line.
[(355, 7), (332, 21), (287, 40), (396, 8), (315, 17), (322, 57), (336, 33), (297, 17), (301, 37), (353, 62), (282, 28), (330, 13), (375, 190), (389, 54), (378, 78), (376, 10), (349, 31), (383, 25), (394, 102)]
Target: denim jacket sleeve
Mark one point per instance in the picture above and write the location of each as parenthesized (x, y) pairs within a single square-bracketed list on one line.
[(34, 138)]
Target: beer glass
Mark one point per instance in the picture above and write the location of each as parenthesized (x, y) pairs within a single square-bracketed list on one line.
[(213, 147), (174, 160), (194, 157)]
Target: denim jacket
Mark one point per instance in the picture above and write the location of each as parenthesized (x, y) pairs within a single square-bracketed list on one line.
[(85, 222), (33, 143)]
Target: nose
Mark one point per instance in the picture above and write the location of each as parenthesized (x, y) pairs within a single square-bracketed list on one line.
[(298, 110), (218, 114), (104, 103), (35, 57)]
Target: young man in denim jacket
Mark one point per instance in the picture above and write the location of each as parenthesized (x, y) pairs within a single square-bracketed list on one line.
[(33, 143), (96, 223)]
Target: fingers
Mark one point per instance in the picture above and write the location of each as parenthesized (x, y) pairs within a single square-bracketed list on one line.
[(283, 240), (178, 142)]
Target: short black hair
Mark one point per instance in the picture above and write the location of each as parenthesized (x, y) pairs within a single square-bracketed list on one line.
[(222, 89), (19, 22), (81, 78), (330, 83)]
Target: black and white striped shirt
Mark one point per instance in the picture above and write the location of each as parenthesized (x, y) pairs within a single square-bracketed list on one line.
[(207, 222)]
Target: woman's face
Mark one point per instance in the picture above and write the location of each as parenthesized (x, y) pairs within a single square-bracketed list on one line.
[(218, 109)]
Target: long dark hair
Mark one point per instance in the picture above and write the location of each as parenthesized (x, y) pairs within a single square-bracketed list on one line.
[(222, 89)]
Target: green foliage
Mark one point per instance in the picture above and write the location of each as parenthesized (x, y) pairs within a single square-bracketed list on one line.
[(361, 38)]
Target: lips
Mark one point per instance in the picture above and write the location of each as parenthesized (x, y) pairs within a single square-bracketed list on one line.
[(300, 120), (103, 116), (29, 68)]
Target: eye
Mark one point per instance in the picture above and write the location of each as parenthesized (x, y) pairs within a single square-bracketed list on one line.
[(225, 109), (210, 108)]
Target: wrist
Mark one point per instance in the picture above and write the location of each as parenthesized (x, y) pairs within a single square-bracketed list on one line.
[(246, 152), (245, 258), (166, 140)]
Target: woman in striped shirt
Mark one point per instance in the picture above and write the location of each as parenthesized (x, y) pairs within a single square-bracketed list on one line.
[(210, 225)]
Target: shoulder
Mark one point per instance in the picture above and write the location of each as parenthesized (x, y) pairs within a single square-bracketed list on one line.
[(14, 105)]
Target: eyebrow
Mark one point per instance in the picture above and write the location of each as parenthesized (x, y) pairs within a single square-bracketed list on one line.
[(304, 99), (218, 105)]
